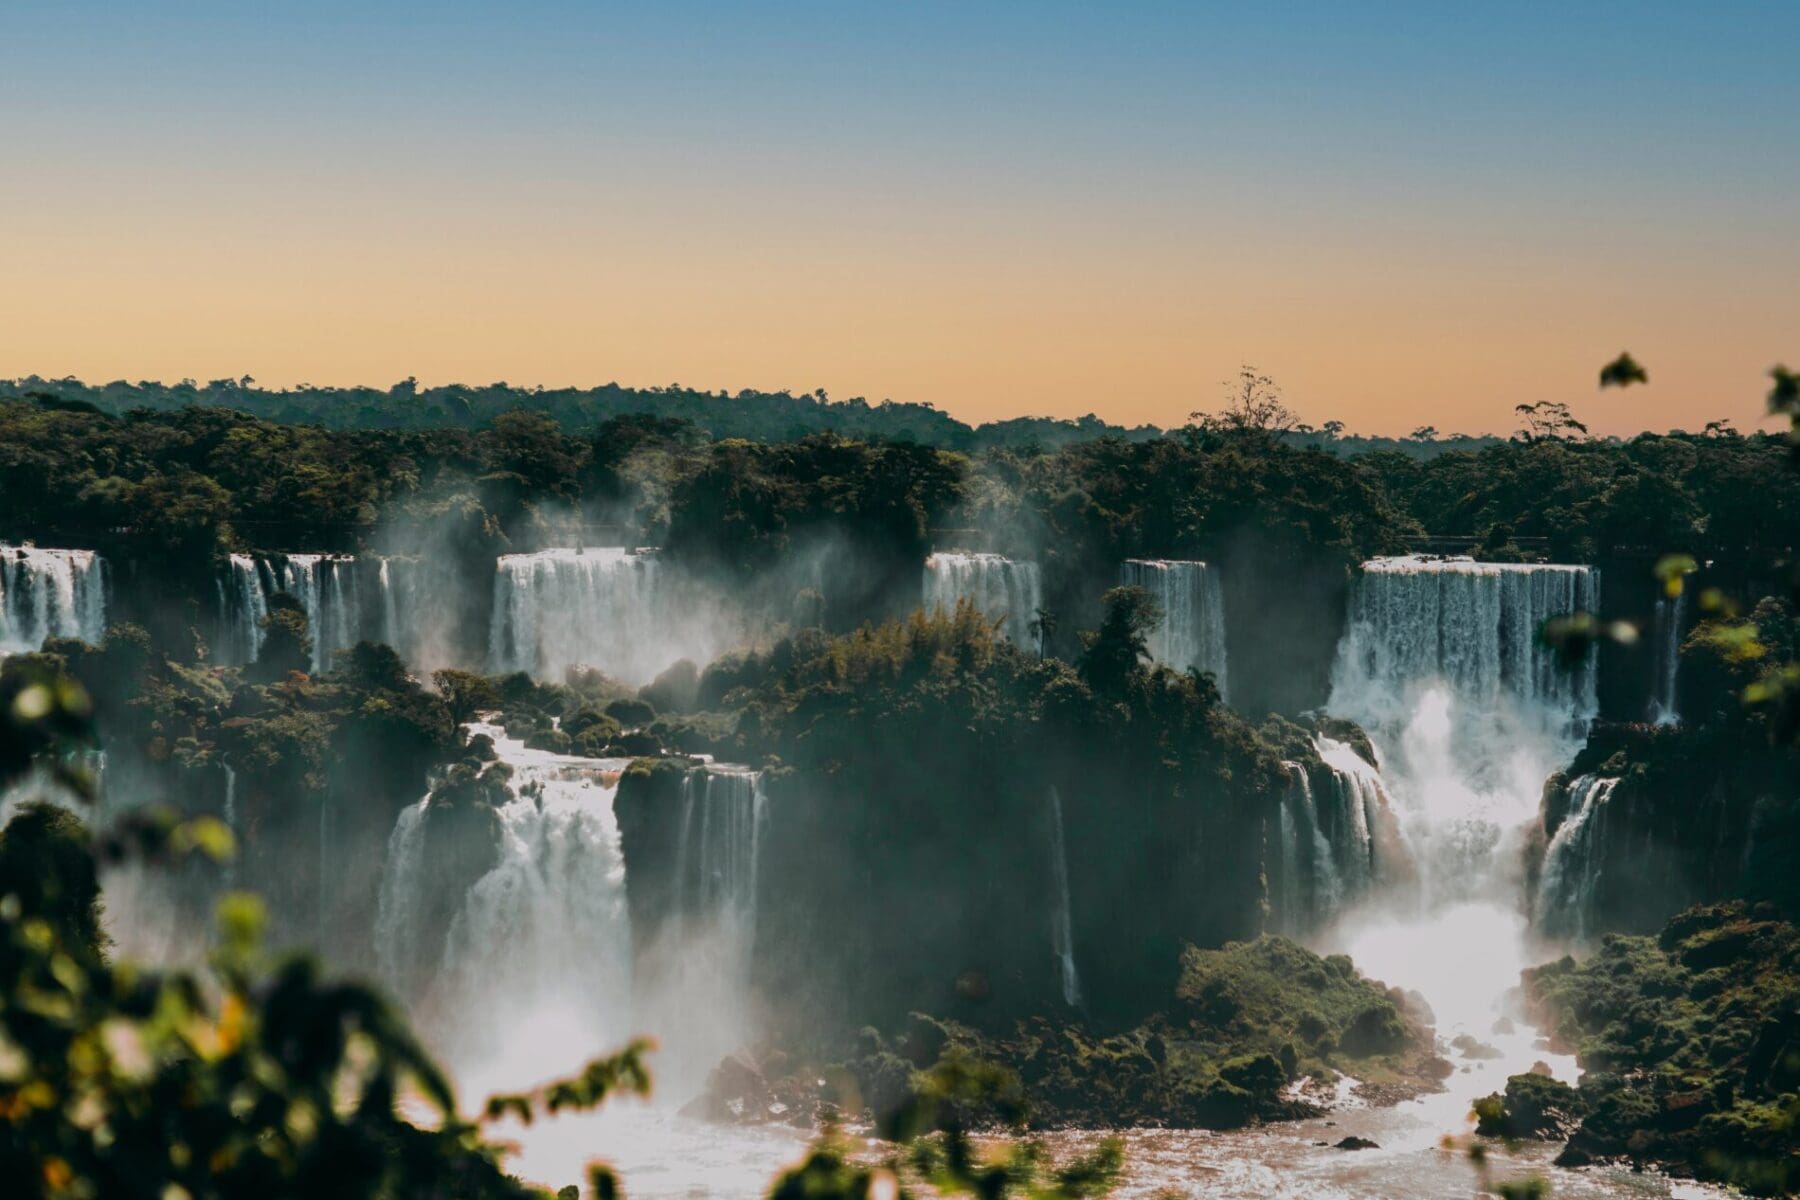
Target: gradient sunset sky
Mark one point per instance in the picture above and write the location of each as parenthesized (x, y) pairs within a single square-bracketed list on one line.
[(1407, 213)]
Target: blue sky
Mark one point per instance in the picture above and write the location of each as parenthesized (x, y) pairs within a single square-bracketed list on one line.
[(1032, 207)]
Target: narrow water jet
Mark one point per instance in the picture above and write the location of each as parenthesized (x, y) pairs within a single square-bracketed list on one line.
[(1063, 920), (1665, 704)]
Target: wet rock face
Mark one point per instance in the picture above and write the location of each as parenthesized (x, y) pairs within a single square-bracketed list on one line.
[(1357, 1143), (743, 1091)]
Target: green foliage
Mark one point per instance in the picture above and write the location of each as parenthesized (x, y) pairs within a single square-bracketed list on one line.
[(1271, 993), (47, 869), (1243, 1023), (1692, 1047), (1114, 651), (1533, 1106)]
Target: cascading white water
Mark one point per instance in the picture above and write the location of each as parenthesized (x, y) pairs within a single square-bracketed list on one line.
[(697, 971), (1357, 804), (1329, 855), (412, 603), (1664, 708), (1062, 924), (717, 858), (324, 584), (1001, 589), (621, 611), (1440, 663), (535, 971), (406, 956), (50, 593), (1564, 904), (1191, 634)]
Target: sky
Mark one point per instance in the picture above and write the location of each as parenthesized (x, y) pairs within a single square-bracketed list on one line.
[(1407, 214)]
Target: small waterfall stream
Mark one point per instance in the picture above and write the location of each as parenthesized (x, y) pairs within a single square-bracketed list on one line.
[(1063, 920), (1664, 708), (1001, 589), (696, 987), (622, 611), (1191, 635), (719, 852), (1330, 854), (49, 594), (325, 585), (1564, 903)]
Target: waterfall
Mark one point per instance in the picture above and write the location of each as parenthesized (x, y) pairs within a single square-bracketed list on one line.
[(1441, 664), (324, 584), (50, 594), (403, 952), (535, 970), (1063, 922), (1358, 802), (620, 611), (1191, 634), (1000, 588), (390, 608), (243, 609), (722, 817), (1331, 855), (1469, 714), (417, 608), (1564, 903), (697, 969), (1664, 700)]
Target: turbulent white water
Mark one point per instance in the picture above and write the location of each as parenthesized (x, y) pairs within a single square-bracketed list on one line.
[(50, 593), (535, 971), (621, 611), (1440, 663), (1191, 634), (1665, 698), (326, 586), (1063, 921), (1001, 589)]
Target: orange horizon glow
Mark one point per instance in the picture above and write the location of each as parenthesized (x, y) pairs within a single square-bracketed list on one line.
[(998, 212)]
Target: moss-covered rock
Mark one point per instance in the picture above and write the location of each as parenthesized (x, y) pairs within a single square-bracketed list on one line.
[(1533, 1106), (1692, 1046)]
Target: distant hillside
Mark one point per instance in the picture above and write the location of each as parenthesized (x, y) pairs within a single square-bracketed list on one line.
[(757, 416)]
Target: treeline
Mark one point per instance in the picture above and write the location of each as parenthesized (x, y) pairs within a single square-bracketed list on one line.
[(757, 415), (762, 416), (203, 479)]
